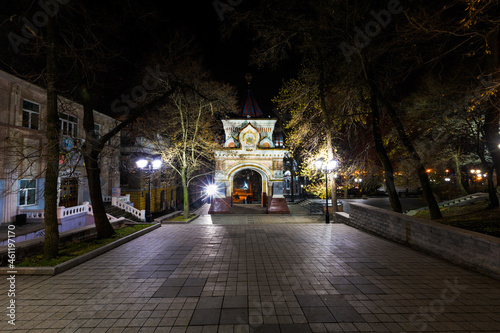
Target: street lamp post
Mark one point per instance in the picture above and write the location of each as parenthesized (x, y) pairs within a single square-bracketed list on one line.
[(149, 167), (358, 181), (328, 167), (477, 174)]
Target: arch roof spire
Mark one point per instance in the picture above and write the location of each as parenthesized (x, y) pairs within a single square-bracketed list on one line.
[(250, 108)]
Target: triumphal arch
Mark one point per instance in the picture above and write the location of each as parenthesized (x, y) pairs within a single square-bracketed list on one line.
[(251, 149)]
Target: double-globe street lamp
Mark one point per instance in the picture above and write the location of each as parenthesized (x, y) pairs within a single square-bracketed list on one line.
[(327, 167), (149, 167), (477, 173)]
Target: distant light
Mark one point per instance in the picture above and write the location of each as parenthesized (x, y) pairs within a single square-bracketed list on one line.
[(447, 170), (447, 179), (142, 163), (428, 170)]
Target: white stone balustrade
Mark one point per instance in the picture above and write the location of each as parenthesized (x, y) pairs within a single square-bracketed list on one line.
[(32, 213), (63, 212), (140, 214)]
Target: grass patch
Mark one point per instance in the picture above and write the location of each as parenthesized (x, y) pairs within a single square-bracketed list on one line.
[(474, 217), (181, 218), (78, 248)]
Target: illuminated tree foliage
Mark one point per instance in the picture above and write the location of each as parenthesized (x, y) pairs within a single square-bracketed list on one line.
[(184, 130)]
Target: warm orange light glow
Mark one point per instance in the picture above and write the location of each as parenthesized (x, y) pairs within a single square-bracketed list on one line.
[(428, 170), (447, 170)]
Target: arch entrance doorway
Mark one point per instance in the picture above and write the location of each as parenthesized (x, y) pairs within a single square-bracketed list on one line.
[(247, 187)]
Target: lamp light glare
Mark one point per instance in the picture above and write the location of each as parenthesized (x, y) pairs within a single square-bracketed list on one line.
[(211, 189), (156, 164), (319, 163), (332, 164), (142, 163)]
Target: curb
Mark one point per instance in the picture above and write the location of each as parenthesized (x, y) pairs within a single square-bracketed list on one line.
[(78, 260), (181, 222)]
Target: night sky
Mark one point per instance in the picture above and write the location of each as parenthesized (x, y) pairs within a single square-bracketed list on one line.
[(227, 59), (141, 32)]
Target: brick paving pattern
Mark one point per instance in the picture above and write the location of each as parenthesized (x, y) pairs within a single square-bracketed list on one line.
[(258, 278)]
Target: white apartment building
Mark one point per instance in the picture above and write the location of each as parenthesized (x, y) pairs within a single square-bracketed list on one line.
[(23, 108)]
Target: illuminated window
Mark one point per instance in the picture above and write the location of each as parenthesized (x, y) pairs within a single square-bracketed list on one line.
[(27, 192), (69, 125), (31, 114)]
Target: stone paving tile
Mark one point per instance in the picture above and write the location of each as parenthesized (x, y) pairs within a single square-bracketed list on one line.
[(258, 278)]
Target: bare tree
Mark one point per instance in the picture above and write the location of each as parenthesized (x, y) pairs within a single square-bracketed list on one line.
[(184, 130)]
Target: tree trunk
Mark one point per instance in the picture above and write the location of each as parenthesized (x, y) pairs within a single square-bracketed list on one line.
[(492, 189), (51, 244), (103, 227), (432, 204), (383, 157), (185, 192), (91, 150), (379, 143), (458, 173), (333, 186), (492, 116), (327, 120), (492, 192)]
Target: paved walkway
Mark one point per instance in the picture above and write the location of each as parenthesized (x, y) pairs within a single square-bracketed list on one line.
[(248, 214), (258, 278)]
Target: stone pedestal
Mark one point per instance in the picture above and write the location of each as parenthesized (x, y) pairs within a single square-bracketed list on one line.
[(278, 206)]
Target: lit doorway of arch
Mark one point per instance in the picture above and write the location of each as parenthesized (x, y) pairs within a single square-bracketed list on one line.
[(247, 187)]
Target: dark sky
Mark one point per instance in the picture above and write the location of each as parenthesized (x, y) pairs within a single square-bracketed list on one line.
[(143, 25), (229, 59)]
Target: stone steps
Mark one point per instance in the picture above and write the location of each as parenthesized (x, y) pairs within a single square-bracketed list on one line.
[(117, 213)]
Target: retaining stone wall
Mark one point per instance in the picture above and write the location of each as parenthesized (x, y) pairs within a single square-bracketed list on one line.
[(466, 248)]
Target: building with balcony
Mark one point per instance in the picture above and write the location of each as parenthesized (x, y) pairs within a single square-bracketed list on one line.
[(23, 107)]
